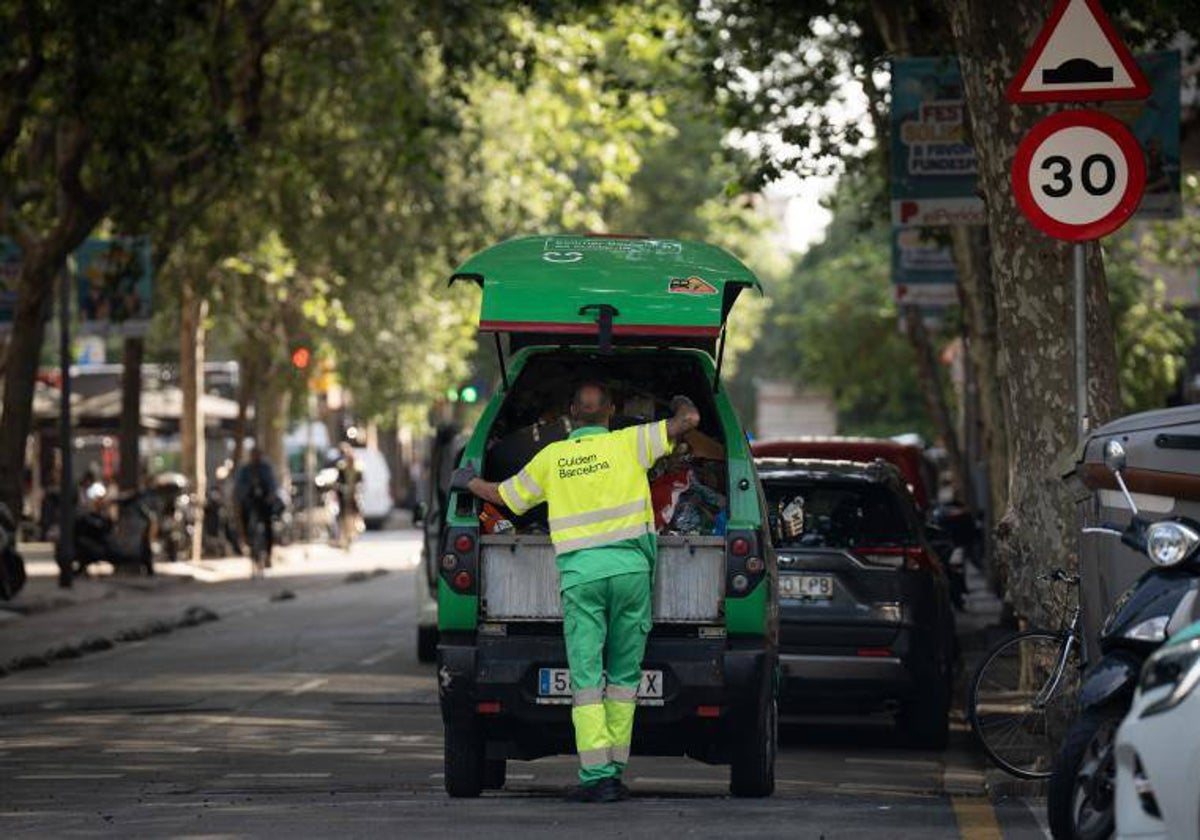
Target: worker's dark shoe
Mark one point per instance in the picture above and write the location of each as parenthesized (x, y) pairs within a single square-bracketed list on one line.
[(605, 790)]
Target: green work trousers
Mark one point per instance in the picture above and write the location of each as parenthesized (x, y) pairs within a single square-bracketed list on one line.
[(605, 623)]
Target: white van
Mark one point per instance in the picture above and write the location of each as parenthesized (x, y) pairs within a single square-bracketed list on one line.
[(375, 493)]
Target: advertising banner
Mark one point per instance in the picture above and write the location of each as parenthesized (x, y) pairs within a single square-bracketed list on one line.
[(114, 284)]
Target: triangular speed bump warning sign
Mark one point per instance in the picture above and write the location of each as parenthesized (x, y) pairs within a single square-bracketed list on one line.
[(1078, 57)]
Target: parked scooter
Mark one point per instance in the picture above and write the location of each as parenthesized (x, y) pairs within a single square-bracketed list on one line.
[(12, 564), (125, 541), (1162, 601), (175, 514)]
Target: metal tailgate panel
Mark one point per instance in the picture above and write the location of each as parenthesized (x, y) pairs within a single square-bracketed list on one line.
[(520, 581)]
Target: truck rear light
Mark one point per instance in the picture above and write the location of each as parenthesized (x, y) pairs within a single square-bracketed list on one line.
[(740, 547), (739, 582), (488, 707), (708, 711), (874, 652), (463, 543), (754, 565), (463, 580), (449, 561)]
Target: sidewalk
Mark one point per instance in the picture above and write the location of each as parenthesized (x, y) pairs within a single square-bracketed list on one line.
[(45, 623)]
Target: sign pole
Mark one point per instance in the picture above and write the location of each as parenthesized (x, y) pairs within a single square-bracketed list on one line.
[(1081, 389), (66, 487)]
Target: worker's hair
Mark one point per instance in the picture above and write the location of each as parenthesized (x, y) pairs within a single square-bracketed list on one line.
[(605, 394), (592, 415)]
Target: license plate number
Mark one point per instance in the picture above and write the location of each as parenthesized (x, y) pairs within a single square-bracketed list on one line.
[(811, 587), (556, 682)]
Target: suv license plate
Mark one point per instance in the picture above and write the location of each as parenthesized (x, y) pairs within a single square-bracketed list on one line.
[(556, 682), (810, 587)]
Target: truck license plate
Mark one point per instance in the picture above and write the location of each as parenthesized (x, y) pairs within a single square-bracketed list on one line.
[(556, 682), (811, 587)]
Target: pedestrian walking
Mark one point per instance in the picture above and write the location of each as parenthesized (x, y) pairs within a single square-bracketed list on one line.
[(602, 527), (346, 489)]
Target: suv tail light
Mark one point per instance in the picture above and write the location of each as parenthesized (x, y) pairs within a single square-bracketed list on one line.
[(744, 564), (460, 560), (913, 557)]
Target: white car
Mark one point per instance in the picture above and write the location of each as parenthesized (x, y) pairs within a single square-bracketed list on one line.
[(375, 490), (1158, 747)]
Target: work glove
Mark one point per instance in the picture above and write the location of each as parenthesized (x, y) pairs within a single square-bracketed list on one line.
[(679, 402), (462, 476)]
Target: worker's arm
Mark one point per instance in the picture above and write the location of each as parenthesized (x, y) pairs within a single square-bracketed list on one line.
[(686, 418), (489, 491)]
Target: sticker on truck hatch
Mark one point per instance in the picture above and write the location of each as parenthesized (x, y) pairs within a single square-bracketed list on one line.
[(690, 286)]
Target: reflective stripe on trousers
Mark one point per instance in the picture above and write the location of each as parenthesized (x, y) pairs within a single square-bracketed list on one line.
[(620, 703), (589, 716)]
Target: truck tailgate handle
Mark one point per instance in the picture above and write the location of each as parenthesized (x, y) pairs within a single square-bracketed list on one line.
[(604, 320)]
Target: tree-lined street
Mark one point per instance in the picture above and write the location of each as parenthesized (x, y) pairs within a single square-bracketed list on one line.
[(310, 717)]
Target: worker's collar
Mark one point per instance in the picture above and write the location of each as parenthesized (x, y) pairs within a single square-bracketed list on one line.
[(583, 431)]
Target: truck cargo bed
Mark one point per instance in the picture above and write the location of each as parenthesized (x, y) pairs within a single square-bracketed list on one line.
[(520, 581)]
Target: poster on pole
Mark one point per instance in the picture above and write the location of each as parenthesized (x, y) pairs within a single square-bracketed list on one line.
[(923, 270), (113, 281), (933, 168)]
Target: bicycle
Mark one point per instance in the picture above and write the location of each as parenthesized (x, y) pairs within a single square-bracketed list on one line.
[(260, 551), (1022, 696)]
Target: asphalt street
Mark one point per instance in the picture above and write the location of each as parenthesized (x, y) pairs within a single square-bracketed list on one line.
[(309, 716)]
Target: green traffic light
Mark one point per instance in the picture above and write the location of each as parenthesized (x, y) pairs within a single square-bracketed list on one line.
[(452, 394), (469, 394)]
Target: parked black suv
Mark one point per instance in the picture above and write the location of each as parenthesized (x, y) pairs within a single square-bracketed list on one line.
[(865, 615)]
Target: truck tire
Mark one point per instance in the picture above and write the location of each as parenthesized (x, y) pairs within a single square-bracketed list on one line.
[(464, 761), (427, 642), (752, 770), (495, 772), (924, 719), (1080, 799)]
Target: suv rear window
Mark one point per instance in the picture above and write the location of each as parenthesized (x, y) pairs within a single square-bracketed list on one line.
[(836, 514)]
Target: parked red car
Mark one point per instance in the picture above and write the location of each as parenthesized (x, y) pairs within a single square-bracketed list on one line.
[(909, 459)]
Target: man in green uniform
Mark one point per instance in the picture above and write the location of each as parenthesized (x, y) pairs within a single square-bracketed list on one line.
[(602, 526)]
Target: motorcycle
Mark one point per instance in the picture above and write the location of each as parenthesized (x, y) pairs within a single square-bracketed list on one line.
[(175, 514), (125, 541), (1080, 798), (12, 564)]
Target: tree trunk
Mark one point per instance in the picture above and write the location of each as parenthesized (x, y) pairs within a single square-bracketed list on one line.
[(1032, 276), (271, 413), (935, 402), (191, 383), (977, 295), (131, 411)]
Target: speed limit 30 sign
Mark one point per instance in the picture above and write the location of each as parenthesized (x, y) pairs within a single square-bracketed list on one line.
[(1079, 175)]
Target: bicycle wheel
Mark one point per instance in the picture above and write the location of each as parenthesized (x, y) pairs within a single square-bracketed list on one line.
[(1021, 702)]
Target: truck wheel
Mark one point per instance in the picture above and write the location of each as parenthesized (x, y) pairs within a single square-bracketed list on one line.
[(464, 761), (494, 773), (924, 720), (752, 771), (427, 642)]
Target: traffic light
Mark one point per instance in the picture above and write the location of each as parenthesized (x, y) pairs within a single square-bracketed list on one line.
[(469, 394), (301, 357)]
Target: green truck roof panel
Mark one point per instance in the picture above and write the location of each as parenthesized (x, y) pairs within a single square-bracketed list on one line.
[(658, 287)]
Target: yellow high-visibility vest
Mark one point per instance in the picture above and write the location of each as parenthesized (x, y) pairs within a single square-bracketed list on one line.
[(594, 485)]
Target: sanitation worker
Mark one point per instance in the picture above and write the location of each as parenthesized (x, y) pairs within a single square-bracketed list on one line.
[(602, 527)]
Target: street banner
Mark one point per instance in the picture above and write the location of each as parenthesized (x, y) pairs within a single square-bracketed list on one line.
[(933, 169), (923, 271), (933, 174), (114, 283)]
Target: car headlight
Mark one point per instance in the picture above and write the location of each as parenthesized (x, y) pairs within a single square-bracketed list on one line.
[(1178, 667), (1169, 543)]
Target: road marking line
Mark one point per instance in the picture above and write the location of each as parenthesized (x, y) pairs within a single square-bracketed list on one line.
[(308, 686), (976, 818), (278, 775), (64, 777), (338, 751), (896, 762), (375, 659), (153, 748)]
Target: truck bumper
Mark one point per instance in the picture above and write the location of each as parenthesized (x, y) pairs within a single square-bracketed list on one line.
[(707, 686)]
